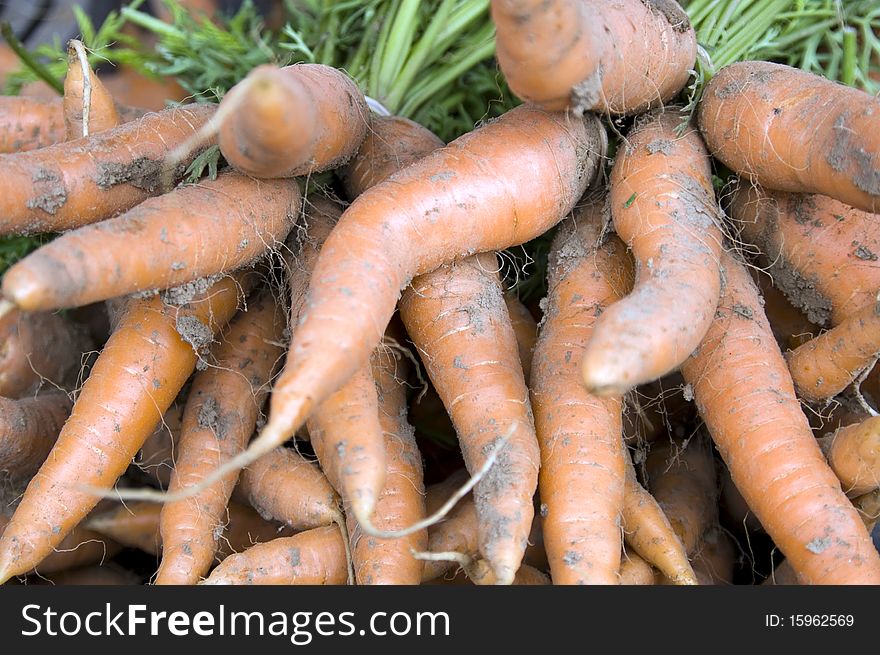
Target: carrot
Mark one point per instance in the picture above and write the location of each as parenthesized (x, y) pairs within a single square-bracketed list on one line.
[(582, 474), (480, 572), (93, 575), (39, 348), (295, 120), (868, 507), (715, 561), (225, 401), (819, 252), (634, 570), (28, 429), (141, 369), (783, 574), (525, 328), (735, 508), (314, 557), (401, 502), (655, 410), (663, 207), (457, 533), (854, 454), (649, 533), (790, 327), (751, 110), (619, 57), (86, 180), (88, 105), (192, 232), (823, 367), (156, 457), (449, 204), (682, 479), (746, 397), (136, 525)]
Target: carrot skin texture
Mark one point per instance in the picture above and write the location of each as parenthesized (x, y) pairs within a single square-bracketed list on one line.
[(39, 348), (581, 480), (225, 401), (618, 57), (819, 251), (192, 232), (823, 367), (86, 180), (28, 430), (663, 207), (635, 571), (526, 329), (102, 110), (156, 456), (314, 557), (387, 234), (853, 452), (141, 369), (457, 533), (458, 321), (746, 397), (295, 120), (750, 110)]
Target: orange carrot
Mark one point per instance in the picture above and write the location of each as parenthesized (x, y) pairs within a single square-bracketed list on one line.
[(619, 57), (88, 105), (746, 397), (39, 349), (791, 328), (635, 571), (663, 207), (682, 479), (854, 454), (582, 460), (715, 559), (314, 557), (135, 379), (156, 457), (86, 180), (751, 110), (453, 202), (192, 232), (820, 253), (735, 508), (225, 401), (457, 533), (295, 120), (28, 430), (525, 328)]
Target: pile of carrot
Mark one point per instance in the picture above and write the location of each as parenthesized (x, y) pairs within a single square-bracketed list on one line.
[(339, 384)]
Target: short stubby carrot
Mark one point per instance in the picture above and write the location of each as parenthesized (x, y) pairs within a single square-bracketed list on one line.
[(853, 452), (313, 557), (290, 121), (28, 430), (40, 348), (581, 482), (823, 367), (457, 318), (820, 252), (192, 232), (620, 57), (141, 369), (88, 105), (663, 207), (746, 397), (224, 403), (87, 180), (451, 203), (751, 112)]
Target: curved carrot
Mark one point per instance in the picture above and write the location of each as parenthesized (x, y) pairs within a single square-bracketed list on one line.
[(663, 207), (649, 533), (401, 503), (156, 457), (854, 454), (225, 401), (525, 327), (682, 480), (458, 533), (83, 181), (750, 111), (455, 201), (88, 105), (28, 430), (821, 253), (314, 557), (141, 369), (619, 57), (823, 367), (295, 120), (634, 570), (581, 481), (192, 232), (39, 348), (715, 561), (745, 395)]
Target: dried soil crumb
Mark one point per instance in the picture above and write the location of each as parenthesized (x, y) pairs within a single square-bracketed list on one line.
[(865, 254), (186, 292), (818, 545), (672, 12), (51, 194), (663, 146), (194, 332)]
